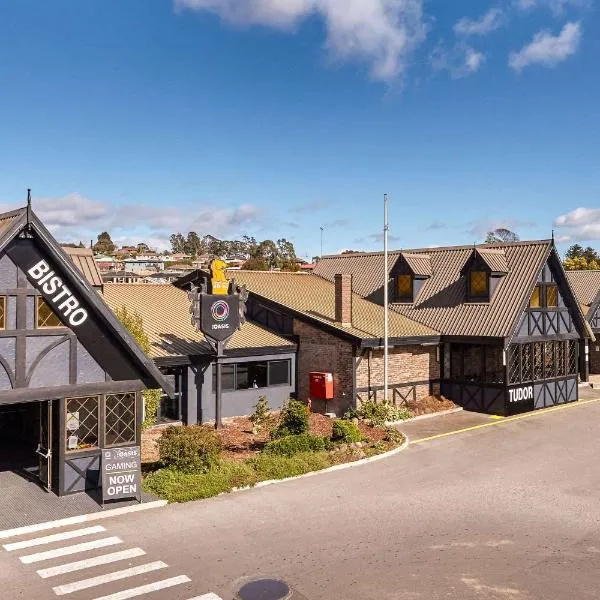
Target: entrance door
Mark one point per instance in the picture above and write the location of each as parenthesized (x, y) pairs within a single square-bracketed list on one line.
[(44, 450)]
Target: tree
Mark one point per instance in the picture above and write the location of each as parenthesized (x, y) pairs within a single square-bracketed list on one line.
[(501, 235), (134, 323), (255, 264), (177, 242), (104, 245), (581, 259), (142, 248)]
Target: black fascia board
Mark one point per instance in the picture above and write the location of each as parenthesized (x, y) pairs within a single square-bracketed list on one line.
[(401, 341)]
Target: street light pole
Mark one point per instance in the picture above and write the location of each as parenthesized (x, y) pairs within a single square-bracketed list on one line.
[(385, 297)]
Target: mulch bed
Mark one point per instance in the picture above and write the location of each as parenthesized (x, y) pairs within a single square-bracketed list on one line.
[(429, 405)]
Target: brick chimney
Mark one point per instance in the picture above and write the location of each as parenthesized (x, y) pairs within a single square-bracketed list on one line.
[(343, 299)]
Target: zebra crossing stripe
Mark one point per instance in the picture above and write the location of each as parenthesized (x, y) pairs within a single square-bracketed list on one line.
[(69, 588), (96, 561), (146, 589), (67, 550), (210, 596), (56, 537)]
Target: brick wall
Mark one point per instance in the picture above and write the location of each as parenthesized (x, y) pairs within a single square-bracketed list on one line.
[(407, 365), (595, 356), (321, 351)]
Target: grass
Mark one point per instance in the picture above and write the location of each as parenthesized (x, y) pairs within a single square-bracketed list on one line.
[(177, 486)]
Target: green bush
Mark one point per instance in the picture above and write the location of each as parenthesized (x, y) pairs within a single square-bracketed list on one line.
[(271, 466), (189, 448), (393, 435), (294, 420), (381, 412), (345, 431), (294, 444), (261, 417)]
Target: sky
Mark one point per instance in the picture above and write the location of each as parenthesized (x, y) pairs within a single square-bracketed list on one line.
[(276, 119)]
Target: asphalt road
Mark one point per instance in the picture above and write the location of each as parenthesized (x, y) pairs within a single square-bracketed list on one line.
[(510, 511)]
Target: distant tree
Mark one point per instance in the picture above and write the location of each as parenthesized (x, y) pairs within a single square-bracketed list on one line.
[(104, 245), (352, 251), (142, 248), (578, 258), (177, 242), (256, 264), (501, 235)]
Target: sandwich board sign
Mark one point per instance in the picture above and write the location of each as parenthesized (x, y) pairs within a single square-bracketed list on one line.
[(121, 473)]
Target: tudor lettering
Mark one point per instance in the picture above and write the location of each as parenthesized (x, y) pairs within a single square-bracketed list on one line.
[(519, 394), (58, 293)]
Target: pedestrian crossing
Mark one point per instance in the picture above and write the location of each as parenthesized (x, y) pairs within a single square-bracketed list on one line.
[(102, 566)]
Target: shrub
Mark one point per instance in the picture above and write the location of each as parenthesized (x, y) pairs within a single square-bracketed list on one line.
[(345, 431), (261, 416), (380, 412), (189, 448), (294, 420), (393, 435), (271, 466), (294, 444)]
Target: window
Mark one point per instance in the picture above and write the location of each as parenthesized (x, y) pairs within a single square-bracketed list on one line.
[(536, 298), (404, 288), (227, 377), (45, 315), (551, 296), (279, 372), (472, 363), (494, 367), (81, 423), (2, 312), (478, 284), (119, 416), (541, 360), (251, 375)]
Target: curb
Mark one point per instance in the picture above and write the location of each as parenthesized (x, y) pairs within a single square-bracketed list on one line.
[(342, 467), (106, 514), (450, 411)]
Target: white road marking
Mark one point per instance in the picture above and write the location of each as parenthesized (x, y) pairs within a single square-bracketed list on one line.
[(210, 596), (146, 589), (56, 537), (69, 588), (67, 550), (104, 559)]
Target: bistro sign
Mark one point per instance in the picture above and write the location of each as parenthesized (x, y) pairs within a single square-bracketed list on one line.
[(121, 473)]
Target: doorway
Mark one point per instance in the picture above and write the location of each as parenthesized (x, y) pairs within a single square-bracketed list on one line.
[(26, 440)]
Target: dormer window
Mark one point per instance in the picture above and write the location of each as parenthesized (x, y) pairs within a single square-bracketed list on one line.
[(479, 284), (404, 288)]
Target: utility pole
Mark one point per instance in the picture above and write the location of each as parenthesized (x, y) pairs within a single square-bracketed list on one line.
[(385, 297)]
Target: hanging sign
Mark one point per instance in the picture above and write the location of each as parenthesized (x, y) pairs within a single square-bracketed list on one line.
[(220, 316), (121, 473)]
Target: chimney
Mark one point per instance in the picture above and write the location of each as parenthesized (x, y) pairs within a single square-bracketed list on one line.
[(343, 299)]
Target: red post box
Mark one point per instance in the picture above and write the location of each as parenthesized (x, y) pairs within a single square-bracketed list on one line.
[(321, 386)]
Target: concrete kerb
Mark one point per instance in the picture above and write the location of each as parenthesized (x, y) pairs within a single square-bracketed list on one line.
[(350, 465), (450, 411), (76, 520)]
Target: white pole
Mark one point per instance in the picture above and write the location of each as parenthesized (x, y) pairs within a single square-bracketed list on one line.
[(385, 297)]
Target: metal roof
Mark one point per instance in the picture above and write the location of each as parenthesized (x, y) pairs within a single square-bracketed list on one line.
[(441, 303), (165, 312), (586, 285), (313, 297), (420, 264), (83, 258)]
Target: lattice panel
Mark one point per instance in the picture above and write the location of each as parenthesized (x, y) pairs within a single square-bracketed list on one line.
[(572, 355), (82, 423), (120, 419), (514, 363), (538, 361), (527, 362), (561, 359)]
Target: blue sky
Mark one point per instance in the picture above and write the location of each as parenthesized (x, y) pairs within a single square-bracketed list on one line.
[(274, 119)]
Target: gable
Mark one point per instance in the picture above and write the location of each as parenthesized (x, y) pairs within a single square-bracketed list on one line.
[(594, 315)]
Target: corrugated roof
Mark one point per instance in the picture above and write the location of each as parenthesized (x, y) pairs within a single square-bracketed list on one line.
[(586, 285), (314, 297), (165, 312), (494, 258), (441, 302), (83, 258), (420, 264)]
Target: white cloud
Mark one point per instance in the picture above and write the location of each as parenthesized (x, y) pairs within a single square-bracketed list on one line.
[(558, 7), (547, 49), (490, 21), (579, 225), (460, 61), (74, 218), (382, 33)]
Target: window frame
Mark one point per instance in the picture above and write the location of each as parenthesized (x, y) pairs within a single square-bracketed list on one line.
[(547, 287), (105, 398), (404, 298), (478, 297), (41, 298), (99, 432), (4, 305), (235, 375)]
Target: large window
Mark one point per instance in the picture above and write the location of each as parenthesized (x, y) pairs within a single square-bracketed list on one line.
[(404, 288), (544, 296), (536, 297), (81, 423), (551, 296), (119, 419), (45, 316), (538, 361), (253, 375), (478, 284), (476, 364)]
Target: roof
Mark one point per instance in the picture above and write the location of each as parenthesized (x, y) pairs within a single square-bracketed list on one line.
[(11, 224), (83, 258), (165, 311), (586, 285), (420, 264), (441, 302), (313, 298)]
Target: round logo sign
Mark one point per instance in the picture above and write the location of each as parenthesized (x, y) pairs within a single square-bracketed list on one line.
[(219, 310)]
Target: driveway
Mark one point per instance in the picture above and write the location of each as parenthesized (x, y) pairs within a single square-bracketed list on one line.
[(507, 511)]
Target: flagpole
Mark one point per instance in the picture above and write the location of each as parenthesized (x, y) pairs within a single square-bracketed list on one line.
[(385, 297)]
